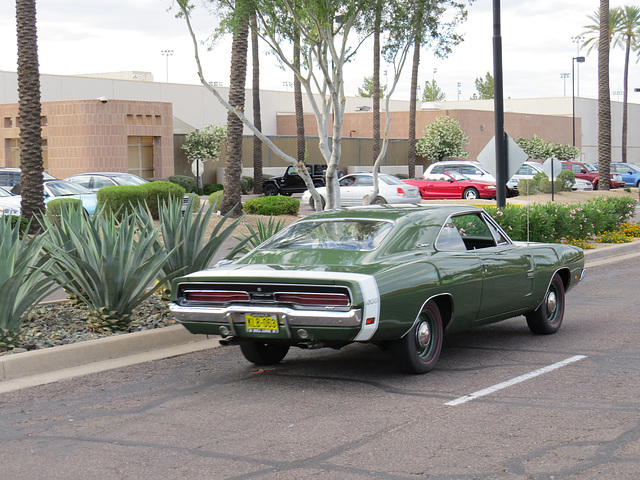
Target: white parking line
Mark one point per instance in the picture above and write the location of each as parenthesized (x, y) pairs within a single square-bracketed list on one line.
[(513, 381)]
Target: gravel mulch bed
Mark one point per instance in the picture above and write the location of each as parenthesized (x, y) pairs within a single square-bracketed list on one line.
[(52, 324)]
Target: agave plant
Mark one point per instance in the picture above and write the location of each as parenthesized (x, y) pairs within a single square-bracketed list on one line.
[(112, 266), (59, 234), (22, 280), (258, 235), (183, 235)]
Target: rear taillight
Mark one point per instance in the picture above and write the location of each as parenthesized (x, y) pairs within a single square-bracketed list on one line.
[(216, 296), (314, 299), (400, 192)]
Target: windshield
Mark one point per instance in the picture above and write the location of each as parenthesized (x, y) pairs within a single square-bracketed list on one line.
[(61, 188), (343, 234), (128, 180), (457, 176)]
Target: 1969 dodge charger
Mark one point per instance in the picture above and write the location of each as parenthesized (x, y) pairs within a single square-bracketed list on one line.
[(396, 276)]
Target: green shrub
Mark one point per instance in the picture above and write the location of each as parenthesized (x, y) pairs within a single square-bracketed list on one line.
[(196, 201), (553, 222), (275, 205), (188, 183), (209, 188), (216, 199), (54, 206), (158, 192), (528, 187), (246, 185), (121, 199)]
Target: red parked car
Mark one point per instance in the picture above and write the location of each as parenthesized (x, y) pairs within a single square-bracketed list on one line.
[(586, 171), (453, 185)]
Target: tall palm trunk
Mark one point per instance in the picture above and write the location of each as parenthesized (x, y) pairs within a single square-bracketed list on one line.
[(29, 109), (376, 81), (297, 96), (604, 100), (625, 100), (257, 120), (411, 156), (233, 164)]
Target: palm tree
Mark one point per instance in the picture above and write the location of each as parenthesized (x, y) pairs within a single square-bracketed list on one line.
[(29, 109), (233, 164), (604, 100), (297, 98), (257, 121), (627, 35)]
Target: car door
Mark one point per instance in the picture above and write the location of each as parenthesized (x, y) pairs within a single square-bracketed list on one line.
[(362, 186), (507, 269)]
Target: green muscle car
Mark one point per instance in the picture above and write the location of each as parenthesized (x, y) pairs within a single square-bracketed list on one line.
[(396, 276)]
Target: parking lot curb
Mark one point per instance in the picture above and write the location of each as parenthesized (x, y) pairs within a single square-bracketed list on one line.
[(65, 356)]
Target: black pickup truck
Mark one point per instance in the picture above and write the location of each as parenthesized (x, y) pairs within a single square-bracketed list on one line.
[(291, 182)]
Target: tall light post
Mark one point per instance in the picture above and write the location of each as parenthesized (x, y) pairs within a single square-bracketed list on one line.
[(564, 77), (578, 40), (573, 95), (167, 54), (459, 91)]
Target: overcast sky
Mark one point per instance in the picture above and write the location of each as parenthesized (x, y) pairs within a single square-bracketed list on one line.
[(80, 36)]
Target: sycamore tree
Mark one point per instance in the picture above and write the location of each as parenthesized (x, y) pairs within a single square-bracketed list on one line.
[(442, 138), (330, 32)]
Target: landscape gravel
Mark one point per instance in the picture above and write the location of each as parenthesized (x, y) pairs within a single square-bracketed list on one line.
[(62, 323)]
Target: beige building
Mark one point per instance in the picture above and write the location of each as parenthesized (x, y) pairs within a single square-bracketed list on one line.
[(97, 135), (141, 125)]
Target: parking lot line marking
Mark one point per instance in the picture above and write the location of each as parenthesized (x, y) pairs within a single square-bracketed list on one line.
[(513, 381)]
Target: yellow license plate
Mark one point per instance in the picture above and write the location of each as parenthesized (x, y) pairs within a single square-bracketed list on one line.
[(261, 324)]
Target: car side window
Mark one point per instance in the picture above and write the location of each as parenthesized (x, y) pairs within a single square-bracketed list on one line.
[(364, 181), (470, 170), (438, 169), (292, 171), (99, 182), (475, 231), (449, 239)]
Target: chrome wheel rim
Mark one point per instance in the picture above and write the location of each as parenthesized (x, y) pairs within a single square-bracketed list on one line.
[(552, 302), (423, 335)]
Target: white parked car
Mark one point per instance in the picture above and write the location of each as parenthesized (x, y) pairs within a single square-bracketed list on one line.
[(53, 189), (530, 168), (356, 187)]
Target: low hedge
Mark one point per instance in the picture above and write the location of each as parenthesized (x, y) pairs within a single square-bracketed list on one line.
[(552, 222), (122, 198), (275, 205)]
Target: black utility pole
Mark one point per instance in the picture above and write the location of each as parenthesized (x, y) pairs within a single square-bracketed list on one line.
[(498, 106)]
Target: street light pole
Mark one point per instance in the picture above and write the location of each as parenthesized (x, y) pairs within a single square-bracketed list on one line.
[(167, 54), (578, 40), (573, 95)]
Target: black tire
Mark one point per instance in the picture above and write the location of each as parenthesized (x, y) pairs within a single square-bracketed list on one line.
[(378, 201), (270, 190), (547, 318), (419, 350), (470, 194), (263, 353), (312, 203)]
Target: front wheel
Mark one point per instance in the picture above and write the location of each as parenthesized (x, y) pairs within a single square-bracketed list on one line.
[(547, 318), (419, 350), (470, 194), (263, 353)]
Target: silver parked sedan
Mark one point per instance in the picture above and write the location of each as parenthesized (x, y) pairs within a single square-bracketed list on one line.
[(356, 188)]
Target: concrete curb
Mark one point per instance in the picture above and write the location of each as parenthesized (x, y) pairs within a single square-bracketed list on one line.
[(65, 356)]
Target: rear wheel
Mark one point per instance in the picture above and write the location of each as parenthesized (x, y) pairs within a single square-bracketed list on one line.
[(470, 194), (547, 318), (379, 201), (270, 190), (419, 350), (263, 353)]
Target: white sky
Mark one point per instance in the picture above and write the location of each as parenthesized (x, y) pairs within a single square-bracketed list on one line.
[(80, 36)]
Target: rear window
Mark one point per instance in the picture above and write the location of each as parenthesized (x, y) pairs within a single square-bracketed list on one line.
[(351, 234)]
